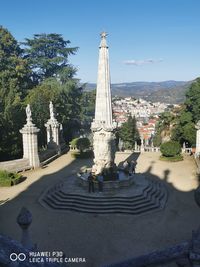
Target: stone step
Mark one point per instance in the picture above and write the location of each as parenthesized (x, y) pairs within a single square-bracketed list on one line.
[(143, 209), (100, 205), (81, 196), (140, 207), (100, 200), (152, 197)]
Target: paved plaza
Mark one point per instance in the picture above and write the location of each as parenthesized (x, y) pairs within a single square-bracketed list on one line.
[(107, 238)]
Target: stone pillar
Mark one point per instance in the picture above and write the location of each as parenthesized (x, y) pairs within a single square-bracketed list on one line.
[(197, 152), (53, 131), (30, 142)]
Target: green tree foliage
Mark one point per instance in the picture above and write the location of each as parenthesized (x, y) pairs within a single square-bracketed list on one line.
[(184, 130), (129, 133), (193, 100), (39, 99), (83, 143), (14, 81), (165, 121), (48, 55), (88, 108), (157, 140), (66, 100), (37, 74), (170, 149), (163, 127)]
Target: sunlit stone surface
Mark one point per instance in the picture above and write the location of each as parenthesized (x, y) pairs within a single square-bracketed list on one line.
[(103, 125)]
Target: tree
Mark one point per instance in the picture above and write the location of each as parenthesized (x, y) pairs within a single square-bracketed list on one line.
[(48, 55), (129, 132), (157, 140), (87, 108), (14, 81), (66, 100), (39, 99), (184, 130), (193, 100)]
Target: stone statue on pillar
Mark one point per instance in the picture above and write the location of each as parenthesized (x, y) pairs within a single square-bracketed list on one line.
[(103, 126), (53, 131), (28, 114), (51, 109), (30, 141)]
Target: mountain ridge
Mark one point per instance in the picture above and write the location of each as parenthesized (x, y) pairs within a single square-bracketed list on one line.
[(170, 91)]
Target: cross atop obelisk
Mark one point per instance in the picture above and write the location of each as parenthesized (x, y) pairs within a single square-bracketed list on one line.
[(103, 39)]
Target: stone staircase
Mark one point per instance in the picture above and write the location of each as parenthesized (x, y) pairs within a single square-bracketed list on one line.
[(152, 197)]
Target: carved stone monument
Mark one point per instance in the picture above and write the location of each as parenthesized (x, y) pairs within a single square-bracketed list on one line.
[(30, 142), (103, 126), (53, 130), (197, 126)]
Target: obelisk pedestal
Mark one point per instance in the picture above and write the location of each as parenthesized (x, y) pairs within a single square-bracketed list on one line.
[(103, 126)]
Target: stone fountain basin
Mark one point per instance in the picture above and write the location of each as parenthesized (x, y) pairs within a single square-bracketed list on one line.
[(125, 180)]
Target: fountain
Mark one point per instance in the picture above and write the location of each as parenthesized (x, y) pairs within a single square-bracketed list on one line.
[(123, 191)]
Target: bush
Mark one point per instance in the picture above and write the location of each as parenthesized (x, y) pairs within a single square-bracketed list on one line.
[(73, 143), (81, 143), (170, 149), (10, 178), (172, 159)]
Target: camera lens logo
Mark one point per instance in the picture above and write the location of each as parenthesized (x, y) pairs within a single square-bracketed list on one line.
[(17, 257)]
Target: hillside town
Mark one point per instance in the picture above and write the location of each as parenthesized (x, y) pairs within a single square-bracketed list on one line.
[(145, 112)]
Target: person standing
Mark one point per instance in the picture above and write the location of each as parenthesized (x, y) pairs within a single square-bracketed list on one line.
[(90, 183), (132, 167), (126, 166), (100, 182)]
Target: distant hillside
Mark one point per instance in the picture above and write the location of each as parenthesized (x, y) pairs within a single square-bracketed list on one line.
[(167, 91)]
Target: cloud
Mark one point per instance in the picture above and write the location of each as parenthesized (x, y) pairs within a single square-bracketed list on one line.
[(142, 62)]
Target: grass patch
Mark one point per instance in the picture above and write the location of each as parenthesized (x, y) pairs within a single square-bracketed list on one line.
[(10, 178), (172, 159)]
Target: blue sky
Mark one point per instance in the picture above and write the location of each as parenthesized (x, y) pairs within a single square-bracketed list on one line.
[(149, 40)]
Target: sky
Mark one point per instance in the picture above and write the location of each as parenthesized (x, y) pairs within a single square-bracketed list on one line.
[(149, 40)]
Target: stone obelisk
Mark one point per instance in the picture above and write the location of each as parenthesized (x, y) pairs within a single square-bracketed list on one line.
[(103, 126)]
